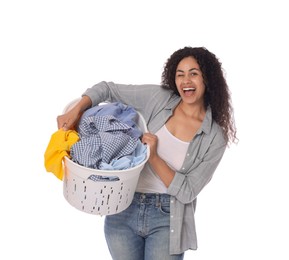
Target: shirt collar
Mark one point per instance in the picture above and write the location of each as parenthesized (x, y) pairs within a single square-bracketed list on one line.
[(207, 123), (173, 103)]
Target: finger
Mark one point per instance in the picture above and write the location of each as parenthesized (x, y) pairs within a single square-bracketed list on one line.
[(145, 138), (64, 127)]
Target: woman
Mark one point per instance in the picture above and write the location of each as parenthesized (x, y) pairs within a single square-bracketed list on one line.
[(190, 122)]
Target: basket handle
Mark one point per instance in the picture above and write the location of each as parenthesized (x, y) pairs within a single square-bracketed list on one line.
[(101, 178)]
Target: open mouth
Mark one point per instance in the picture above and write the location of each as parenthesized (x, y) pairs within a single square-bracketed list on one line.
[(189, 91)]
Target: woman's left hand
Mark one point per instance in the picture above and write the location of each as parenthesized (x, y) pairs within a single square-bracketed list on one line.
[(152, 141)]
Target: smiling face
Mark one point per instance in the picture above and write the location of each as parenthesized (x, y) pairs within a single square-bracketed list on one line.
[(189, 81)]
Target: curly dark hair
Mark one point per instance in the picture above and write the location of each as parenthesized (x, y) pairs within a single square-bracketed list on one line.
[(217, 94)]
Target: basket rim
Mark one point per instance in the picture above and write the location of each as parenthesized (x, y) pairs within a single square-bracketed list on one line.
[(100, 172)]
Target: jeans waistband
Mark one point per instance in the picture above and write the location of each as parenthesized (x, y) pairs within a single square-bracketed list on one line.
[(151, 198)]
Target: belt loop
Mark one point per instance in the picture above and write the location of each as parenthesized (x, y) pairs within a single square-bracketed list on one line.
[(142, 197), (158, 202)]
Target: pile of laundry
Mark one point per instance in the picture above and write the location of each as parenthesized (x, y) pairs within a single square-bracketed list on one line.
[(107, 138)]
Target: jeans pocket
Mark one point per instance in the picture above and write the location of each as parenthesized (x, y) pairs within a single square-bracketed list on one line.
[(164, 208)]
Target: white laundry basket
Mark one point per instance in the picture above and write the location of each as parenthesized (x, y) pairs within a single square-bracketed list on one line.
[(101, 197)]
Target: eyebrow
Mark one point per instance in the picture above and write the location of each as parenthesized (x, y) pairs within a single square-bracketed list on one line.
[(189, 70)]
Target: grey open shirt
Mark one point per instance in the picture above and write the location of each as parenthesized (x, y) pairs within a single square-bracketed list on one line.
[(203, 156)]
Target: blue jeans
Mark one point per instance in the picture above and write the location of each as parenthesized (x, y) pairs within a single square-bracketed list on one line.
[(141, 231)]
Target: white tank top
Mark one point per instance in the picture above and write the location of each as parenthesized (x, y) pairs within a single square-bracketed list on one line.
[(173, 151)]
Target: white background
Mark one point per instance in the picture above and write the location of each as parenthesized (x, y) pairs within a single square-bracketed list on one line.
[(51, 51)]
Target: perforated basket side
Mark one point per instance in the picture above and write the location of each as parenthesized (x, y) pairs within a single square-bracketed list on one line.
[(100, 198)]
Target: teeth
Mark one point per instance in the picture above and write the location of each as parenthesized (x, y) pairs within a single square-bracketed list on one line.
[(187, 89)]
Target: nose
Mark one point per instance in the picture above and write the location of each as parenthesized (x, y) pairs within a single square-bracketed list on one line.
[(187, 79)]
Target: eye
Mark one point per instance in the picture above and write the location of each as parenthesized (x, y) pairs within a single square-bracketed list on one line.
[(180, 75)]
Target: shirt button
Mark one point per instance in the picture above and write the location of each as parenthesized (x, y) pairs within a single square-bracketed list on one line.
[(183, 168), (172, 201), (188, 154), (172, 216), (172, 230)]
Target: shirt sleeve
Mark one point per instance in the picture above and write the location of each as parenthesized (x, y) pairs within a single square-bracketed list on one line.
[(147, 98), (187, 185)]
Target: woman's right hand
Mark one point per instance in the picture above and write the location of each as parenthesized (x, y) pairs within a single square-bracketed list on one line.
[(69, 120)]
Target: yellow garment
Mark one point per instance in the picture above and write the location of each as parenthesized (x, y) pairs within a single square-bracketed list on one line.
[(59, 147)]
